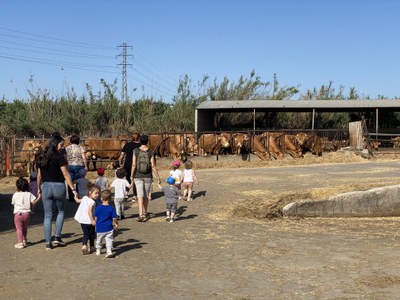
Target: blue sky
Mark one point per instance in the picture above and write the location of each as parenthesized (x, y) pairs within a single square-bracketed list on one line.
[(66, 44)]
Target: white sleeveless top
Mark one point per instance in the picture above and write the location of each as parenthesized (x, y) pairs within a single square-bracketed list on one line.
[(188, 175)]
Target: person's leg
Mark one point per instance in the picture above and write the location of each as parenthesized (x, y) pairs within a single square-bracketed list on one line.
[(117, 202), (99, 240), (173, 210), (189, 198), (85, 231), (147, 190), (18, 227), (59, 196), (109, 242), (140, 193), (74, 173), (122, 209), (47, 200), (92, 236), (25, 222)]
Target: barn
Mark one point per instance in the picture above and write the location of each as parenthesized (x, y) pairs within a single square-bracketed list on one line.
[(207, 111)]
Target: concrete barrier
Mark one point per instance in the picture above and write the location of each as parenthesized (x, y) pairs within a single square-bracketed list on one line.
[(377, 202)]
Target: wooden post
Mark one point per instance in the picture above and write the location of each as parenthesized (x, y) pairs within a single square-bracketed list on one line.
[(254, 119), (313, 119), (7, 158)]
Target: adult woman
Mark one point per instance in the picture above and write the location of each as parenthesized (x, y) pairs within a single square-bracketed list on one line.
[(143, 166), (76, 161), (52, 174)]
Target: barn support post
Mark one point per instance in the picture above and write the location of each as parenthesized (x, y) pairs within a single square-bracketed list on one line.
[(7, 157), (313, 119), (376, 122), (254, 119)]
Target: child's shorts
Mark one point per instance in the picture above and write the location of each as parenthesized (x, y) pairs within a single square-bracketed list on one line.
[(188, 184), (172, 207)]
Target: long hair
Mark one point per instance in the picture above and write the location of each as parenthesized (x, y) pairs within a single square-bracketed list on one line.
[(50, 150)]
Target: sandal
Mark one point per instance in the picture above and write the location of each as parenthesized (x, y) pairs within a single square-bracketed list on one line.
[(85, 251)]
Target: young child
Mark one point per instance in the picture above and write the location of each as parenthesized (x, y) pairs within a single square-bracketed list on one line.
[(120, 185), (22, 200), (82, 184), (176, 174), (171, 194), (33, 183), (84, 215), (188, 177), (106, 222), (101, 181)]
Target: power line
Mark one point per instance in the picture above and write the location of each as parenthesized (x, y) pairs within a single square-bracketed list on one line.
[(86, 45), (62, 51)]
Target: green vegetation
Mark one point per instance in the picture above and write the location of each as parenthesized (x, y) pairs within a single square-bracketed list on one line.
[(104, 114)]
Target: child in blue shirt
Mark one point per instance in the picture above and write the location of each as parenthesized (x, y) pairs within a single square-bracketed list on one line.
[(106, 222)]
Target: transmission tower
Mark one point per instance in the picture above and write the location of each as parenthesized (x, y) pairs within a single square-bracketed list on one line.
[(124, 55)]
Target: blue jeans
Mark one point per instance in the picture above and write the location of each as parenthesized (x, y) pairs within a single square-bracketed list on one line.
[(74, 173), (53, 196)]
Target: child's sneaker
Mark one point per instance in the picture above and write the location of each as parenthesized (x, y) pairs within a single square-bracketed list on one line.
[(49, 246), (98, 251), (171, 221), (19, 246), (109, 254), (167, 219)]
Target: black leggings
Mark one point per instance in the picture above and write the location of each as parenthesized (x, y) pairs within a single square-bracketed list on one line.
[(89, 234)]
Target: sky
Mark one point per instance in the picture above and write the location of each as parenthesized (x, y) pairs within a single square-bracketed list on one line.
[(66, 44)]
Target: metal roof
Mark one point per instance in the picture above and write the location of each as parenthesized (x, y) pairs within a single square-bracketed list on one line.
[(242, 105)]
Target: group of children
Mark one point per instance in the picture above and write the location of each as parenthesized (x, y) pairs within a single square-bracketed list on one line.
[(97, 217)]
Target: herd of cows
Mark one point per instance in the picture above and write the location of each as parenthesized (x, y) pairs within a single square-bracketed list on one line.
[(267, 146)]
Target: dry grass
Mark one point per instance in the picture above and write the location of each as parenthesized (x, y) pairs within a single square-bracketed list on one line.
[(264, 204)]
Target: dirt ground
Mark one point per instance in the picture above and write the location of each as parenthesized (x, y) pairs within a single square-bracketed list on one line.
[(224, 245)]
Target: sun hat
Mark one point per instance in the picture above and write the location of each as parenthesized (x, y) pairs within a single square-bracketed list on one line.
[(176, 163), (171, 180), (100, 171)]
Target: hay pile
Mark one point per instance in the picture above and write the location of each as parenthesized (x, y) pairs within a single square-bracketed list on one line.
[(270, 206)]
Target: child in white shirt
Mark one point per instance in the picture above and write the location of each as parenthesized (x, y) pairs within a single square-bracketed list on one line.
[(120, 185), (85, 216), (101, 181), (23, 201), (176, 174), (188, 178)]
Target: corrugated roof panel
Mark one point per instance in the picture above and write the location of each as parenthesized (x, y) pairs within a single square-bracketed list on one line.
[(276, 104)]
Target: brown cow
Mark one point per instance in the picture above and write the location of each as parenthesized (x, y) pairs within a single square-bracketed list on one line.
[(396, 142), (272, 139), (291, 146), (30, 152), (258, 147), (239, 141), (210, 143), (310, 142), (104, 148), (373, 144)]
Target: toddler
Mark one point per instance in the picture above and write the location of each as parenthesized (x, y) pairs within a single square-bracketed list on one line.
[(101, 181), (23, 201), (188, 177), (82, 184), (120, 185), (106, 222), (171, 194), (176, 174), (84, 215)]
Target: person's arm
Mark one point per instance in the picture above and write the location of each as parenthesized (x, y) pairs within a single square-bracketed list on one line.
[(195, 177), (154, 168), (133, 165), (121, 159), (85, 164), (37, 199), (67, 178), (115, 223), (39, 182), (90, 213)]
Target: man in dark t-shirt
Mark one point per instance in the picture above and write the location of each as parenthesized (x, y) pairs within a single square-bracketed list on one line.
[(125, 159)]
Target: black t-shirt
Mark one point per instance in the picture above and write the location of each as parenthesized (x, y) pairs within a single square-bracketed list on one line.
[(52, 171), (128, 150)]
